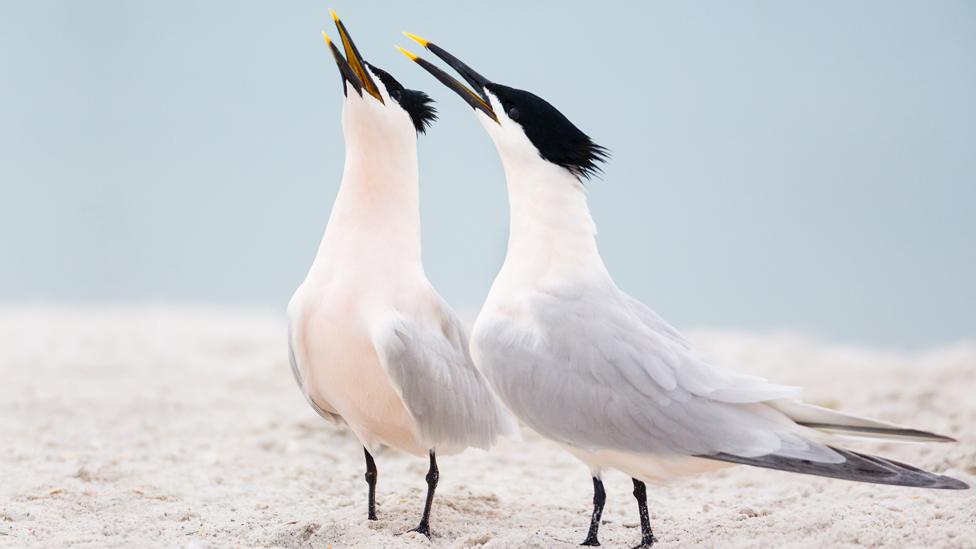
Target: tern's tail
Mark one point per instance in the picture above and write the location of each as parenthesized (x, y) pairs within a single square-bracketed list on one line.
[(839, 423), (856, 466)]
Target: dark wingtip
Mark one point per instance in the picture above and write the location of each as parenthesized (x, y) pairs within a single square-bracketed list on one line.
[(949, 483), (856, 466)]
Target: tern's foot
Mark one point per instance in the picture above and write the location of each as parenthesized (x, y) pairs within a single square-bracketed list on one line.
[(372, 516), (591, 541), (422, 529), (646, 543)]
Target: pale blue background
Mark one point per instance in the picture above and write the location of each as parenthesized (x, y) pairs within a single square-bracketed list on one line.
[(802, 165)]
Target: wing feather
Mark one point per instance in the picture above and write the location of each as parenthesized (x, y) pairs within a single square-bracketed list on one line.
[(599, 370), (426, 356)]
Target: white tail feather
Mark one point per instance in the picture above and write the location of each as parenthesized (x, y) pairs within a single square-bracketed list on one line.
[(832, 421)]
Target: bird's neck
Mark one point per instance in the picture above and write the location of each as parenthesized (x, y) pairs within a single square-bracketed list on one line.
[(551, 230), (376, 215)]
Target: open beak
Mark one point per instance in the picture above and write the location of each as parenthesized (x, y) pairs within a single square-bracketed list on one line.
[(352, 67), (348, 75), (477, 97)]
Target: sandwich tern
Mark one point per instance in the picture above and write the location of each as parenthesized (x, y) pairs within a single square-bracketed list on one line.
[(591, 368), (371, 342)]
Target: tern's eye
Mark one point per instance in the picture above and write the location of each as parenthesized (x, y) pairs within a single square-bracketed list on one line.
[(513, 113), (395, 94)]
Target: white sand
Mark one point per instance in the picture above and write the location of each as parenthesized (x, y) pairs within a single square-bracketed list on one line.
[(182, 427)]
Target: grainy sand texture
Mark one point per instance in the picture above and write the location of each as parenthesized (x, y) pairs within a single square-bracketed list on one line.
[(182, 427)]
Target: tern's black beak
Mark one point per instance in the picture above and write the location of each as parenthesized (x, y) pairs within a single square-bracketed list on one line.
[(352, 67), (477, 97), (348, 75)]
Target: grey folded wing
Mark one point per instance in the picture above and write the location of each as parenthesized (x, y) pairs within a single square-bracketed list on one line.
[(594, 370), (428, 362)]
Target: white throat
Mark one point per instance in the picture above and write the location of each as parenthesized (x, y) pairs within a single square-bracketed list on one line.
[(550, 227), (376, 215)]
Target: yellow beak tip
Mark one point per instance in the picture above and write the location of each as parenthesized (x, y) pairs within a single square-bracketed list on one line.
[(335, 16), (416, 39), (409, 55), (327, 39)]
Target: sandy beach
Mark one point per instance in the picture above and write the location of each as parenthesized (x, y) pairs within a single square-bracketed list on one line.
[(182, 427)]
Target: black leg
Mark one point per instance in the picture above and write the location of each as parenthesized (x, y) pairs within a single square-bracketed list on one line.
[(371, 480), (647, 537), (432, 477), (599, 498)]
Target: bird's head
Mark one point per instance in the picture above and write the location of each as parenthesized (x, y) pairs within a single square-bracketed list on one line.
[(523, 125), (377, 100)]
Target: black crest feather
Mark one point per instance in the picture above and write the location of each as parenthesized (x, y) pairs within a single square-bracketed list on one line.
[(559, 141), (418, 104), (420, 107)]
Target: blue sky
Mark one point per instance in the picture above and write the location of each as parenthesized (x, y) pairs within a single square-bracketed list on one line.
[(808, 166)]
